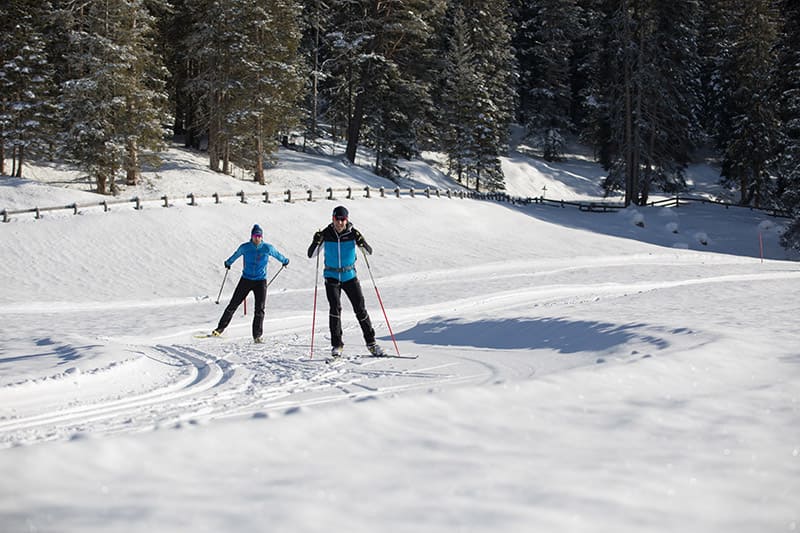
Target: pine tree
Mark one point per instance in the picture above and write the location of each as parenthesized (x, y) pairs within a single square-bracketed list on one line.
[(182, 62), (247, 80), (212, 44), (595, 70), (479, 54), (644, 96), (788, 78), (461, 94), (671, 90), (269, 80), (378, 81), (751, 146), (26, 81), (715, 51), (544, 50), (113, 96), (315, 48), (586, 38)]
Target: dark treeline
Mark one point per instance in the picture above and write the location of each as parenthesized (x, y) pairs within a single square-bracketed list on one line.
[(648, 84)]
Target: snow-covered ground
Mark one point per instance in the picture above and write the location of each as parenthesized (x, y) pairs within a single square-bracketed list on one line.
[(627, 372)]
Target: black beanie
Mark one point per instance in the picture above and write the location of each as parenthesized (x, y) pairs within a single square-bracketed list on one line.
[(340, 211)]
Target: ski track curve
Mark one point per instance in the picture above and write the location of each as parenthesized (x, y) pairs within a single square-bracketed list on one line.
[(236, 378), (158, 406)]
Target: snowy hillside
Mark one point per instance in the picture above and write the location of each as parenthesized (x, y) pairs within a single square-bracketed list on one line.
[(629, 371)]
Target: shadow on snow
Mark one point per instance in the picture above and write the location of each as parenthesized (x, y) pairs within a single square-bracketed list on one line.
[(64, 352), (561, 335)]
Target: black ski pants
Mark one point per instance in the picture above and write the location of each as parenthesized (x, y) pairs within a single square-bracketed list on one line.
[(243, 288), (352, 288)]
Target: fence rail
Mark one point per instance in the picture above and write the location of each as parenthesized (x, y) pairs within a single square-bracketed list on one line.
[(243, 197), (368, 192)]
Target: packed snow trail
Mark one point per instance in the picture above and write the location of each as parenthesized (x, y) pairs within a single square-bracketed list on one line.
[(198, 380)]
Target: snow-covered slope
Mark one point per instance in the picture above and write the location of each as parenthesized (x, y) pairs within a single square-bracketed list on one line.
[(629, 371)]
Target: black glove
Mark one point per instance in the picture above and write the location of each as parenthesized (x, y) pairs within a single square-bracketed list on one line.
[(315, 243), (227, 266), (362, 242)]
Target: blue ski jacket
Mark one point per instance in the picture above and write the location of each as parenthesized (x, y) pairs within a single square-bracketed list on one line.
[(340, 251), (255, 259)]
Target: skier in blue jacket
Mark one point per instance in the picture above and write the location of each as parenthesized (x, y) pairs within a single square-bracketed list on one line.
[(255, 254), (338, 241)]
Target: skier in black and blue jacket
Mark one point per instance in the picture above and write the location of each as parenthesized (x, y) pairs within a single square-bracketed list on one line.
[(255, 254), (338, 241)]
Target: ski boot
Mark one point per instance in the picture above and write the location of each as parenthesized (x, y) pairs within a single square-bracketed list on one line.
[(375, 350)]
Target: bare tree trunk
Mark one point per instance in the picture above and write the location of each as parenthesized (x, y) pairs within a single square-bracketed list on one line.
[(214, 135), (133, 174), (628, 81), (2, 158), (644, 190), (259, 170), (757, 185), (639, 95), (744, 185), (20, 161), (354, 128), (226, 158), (213, 155), (101, 181), (315, 91)]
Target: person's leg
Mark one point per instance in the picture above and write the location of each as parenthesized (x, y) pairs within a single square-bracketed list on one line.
[(333, 290), (353, 291), (239, 294), (260, 294)]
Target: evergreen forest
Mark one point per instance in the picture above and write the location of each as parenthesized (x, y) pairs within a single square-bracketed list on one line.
[(649, 85)]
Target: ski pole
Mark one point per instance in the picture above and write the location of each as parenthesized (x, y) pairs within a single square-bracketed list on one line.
[(221, 286), (314, 312), (266, 289), (275, 275), (380, 301)]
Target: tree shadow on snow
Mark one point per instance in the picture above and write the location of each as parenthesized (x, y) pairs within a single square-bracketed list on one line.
[(65, 352), (561, 335), (707, 228)]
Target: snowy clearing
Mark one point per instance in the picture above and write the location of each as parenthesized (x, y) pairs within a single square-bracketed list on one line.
[(631, 371)]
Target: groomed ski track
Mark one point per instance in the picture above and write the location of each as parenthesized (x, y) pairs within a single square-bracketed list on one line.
[(192, 381)]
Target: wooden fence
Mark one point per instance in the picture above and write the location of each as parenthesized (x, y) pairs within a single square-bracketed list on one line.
[(348, 192)]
